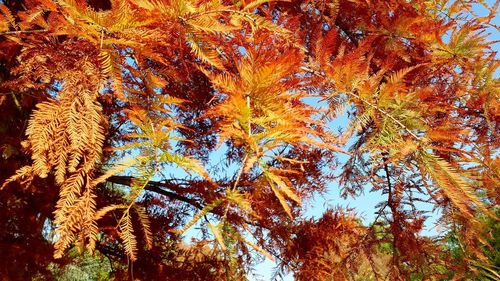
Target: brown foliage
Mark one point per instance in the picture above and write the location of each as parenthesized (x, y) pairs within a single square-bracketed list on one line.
[(100, 99)]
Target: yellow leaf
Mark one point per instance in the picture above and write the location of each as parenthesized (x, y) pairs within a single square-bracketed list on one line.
[(282, 200), (186, 163), (218, 236), (283, 185), (116, 169), (146, 229), (104, 210), (127, 235)]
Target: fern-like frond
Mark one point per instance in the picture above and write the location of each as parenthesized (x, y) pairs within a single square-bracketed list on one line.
[(110, 66), (145, 224), (460, 192), (241, 201), (398, 76), (67, 234), (167, 10), (283, 184), (106, 63), (66, 137), (124, 18), (186, 163), (90, 229), (103, 211), (25, 174), (9, 18), (74, 214), (258, 22), (61, 165), (357, 124), (205, 53), (278, 193), (42, 129), (36, 17), (127, 235), (116, 169), (209, 23), (70, 192)]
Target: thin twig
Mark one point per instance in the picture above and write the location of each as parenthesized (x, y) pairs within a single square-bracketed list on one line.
[(23, 31)]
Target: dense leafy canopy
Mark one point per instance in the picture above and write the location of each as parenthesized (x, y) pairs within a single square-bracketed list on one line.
[(126, 123)]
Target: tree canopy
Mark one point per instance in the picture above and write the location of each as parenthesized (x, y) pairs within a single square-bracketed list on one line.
[(127, 123)]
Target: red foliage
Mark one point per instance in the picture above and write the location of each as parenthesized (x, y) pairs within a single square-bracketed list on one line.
[(100, 99)]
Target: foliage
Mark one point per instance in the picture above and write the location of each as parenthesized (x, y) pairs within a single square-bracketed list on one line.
[(127, 123), (488, 268), (82, 268)]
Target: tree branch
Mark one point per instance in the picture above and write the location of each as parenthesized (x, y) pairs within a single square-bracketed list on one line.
[(157, 187), (23, 31)]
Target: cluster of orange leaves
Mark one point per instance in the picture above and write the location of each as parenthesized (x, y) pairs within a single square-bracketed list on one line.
[(256, 83)]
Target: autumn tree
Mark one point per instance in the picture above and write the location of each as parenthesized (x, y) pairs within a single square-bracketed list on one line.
[(125, 123)]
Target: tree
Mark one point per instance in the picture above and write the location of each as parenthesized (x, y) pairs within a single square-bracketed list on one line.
[(128, 122)]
